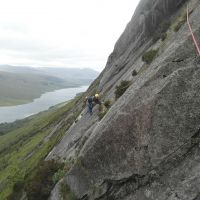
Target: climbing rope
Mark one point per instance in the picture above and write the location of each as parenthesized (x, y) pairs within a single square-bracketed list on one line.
[(193, 36)]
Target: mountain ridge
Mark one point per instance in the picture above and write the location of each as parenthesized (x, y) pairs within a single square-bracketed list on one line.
[(19, 85), (80, 75)]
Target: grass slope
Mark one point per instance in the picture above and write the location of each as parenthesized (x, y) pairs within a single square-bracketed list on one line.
[(23, 148), (20, 88)]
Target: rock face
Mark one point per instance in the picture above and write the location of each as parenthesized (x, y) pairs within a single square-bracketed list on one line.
[(147, 145), (56, 194), (144, 23)]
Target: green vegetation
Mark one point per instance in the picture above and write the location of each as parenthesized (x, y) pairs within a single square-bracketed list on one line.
[(120, 89), (47, 175), (66, 193), (163, 36), (161, 32), (107, 103), (40, 185), (134, 73), (104, 108), (180, 21), (149, 56), (58, 175), (23, 148), (20, 88), (8, 127), (17, 191)]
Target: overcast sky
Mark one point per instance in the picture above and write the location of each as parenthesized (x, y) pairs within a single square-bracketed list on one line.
[(61, 33)]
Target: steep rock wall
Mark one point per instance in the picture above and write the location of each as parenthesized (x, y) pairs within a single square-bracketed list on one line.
[(144, 23), (147, 145)]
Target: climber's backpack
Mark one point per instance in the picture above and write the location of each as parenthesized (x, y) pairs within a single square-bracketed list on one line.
[(90, 99)]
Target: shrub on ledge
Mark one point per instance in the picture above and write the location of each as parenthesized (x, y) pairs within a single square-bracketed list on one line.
[(120, 89), (149, 56)]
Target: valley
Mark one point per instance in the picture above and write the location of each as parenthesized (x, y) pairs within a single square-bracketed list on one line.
[(21, 85), (25, 143)]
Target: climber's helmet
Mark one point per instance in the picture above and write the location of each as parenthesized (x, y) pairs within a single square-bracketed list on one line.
[(96, 96)]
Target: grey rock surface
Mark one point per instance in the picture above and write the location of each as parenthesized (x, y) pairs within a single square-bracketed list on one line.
[(56, 194), (147, 145), (75, 137), (144, 24)]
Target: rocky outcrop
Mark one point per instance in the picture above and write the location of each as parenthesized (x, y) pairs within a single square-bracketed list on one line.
[(147, 145), (143, 25)]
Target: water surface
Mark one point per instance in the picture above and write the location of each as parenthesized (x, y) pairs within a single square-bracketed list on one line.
[(12, 113)]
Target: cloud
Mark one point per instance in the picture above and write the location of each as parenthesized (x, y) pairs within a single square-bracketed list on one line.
[(67, 33), (13, 27)]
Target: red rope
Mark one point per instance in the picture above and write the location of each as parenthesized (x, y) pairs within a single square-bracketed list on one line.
[(193, 37)]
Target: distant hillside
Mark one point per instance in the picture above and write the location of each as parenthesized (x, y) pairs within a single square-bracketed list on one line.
[(19, 85), (25, 143), (81, 76), (73, 75), (18, 69), (19, 88)]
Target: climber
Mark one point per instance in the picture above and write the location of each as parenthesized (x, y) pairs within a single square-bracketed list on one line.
[(96, 99), (91, 101), (90, 105)]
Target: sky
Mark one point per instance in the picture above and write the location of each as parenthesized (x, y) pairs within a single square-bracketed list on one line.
[(61, 33)]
